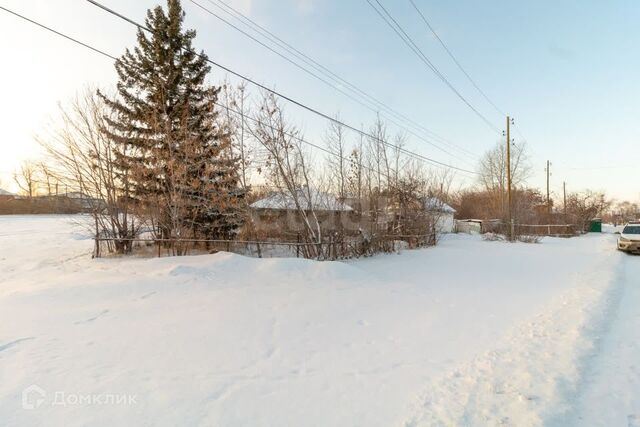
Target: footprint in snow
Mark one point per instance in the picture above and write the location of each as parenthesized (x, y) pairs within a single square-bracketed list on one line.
[(14, 343), (91, 319), (145, 296)]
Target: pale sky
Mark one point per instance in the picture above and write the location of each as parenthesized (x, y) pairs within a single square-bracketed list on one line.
[(567, 71)]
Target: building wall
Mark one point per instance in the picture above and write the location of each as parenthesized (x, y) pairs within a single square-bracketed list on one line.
[(274, 222), (445, 223), (470, 227)]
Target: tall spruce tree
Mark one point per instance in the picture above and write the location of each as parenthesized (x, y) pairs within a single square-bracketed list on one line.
[(177, 158)]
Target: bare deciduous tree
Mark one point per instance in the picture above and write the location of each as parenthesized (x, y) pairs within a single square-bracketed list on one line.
[(26, 178), (235, 98), (288, 169), (48, 178), (337, 162), (378, 156), (84, 159), (585, 206), (493, 173), (355, 172)]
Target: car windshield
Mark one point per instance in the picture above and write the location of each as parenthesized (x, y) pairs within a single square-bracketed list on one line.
[(631, 229)]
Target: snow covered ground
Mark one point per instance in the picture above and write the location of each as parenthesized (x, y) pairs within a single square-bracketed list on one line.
[(468, 333)]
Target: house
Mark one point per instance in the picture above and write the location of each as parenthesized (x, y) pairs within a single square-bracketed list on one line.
[(278, 213), (5, 195), (442, 213), (84, 201)]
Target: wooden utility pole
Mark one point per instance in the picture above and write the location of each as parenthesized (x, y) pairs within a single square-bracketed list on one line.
[(509, 216), (548, 198)]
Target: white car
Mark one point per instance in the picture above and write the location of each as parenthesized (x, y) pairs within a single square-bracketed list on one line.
[(629, 239)]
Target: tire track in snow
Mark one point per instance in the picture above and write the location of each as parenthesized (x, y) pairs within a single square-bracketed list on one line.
[(533, 375), (608, 391)]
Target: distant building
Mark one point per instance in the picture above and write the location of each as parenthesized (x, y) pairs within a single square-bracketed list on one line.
[(469, 226), (479, 226), (5, 195), (442, 213), (84, 201), (278, 213)]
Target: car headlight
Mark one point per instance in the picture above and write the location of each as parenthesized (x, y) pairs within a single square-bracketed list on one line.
[(624, 239)]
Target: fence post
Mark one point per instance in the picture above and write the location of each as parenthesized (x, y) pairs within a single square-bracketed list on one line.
[(330, 256), (298, 247), (97, 254)]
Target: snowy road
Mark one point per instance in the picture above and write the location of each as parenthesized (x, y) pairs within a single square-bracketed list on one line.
[(468, 333), (609, 393), (558, 368)]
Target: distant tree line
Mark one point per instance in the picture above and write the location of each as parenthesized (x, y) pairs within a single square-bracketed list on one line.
[(488, 200)]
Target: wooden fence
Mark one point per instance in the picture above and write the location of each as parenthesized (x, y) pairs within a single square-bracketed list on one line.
[(551, 230)]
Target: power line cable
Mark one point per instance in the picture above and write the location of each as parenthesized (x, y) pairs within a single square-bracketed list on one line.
[(101, 52), (298, 138), (459, 65), (57, 33), (433, 31), (400, 32), (374, 109), (287, 98), (248, 22)]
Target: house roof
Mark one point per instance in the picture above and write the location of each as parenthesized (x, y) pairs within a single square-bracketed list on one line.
[(319, 201), (435, 204), (5, 193)]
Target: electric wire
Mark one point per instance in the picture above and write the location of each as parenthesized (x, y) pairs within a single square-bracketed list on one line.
[(402, 34), (377, 104), (442, 43), (105, 54), (291, 100)]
